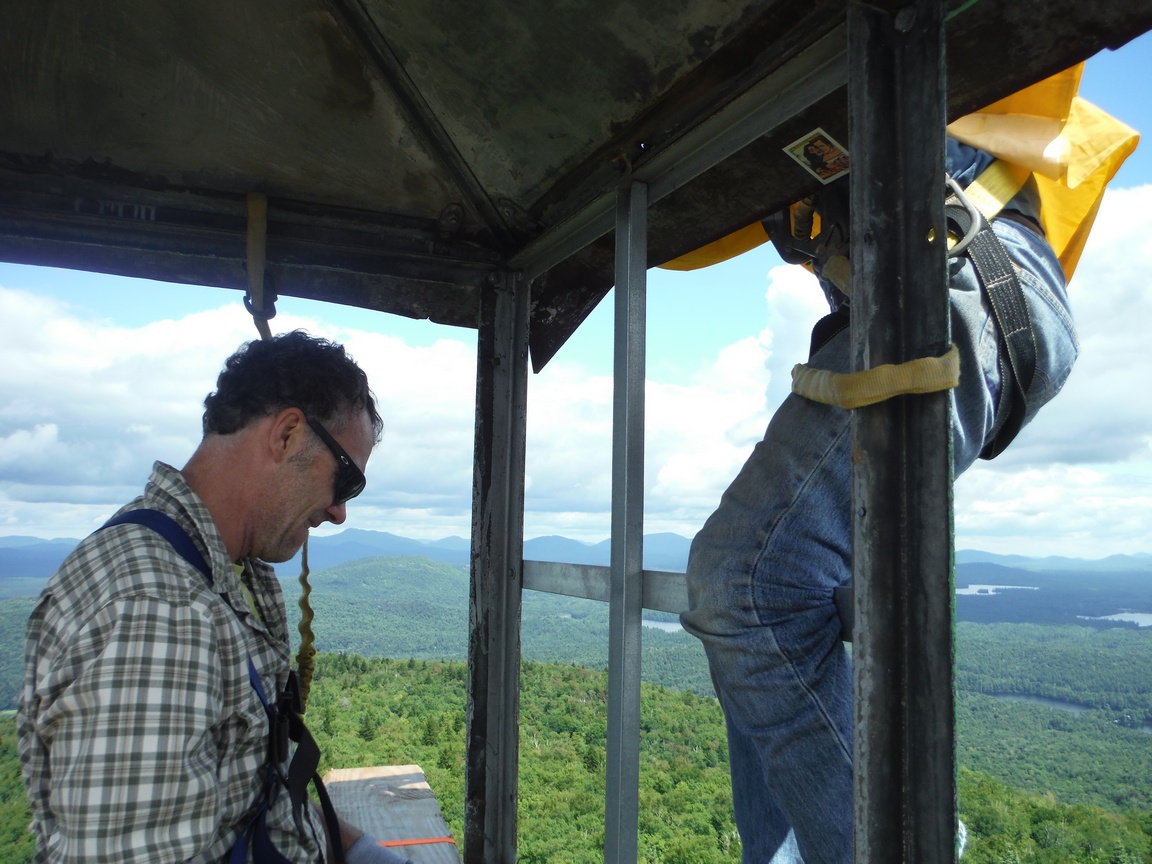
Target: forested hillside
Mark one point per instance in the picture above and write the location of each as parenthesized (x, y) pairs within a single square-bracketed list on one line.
[(1093, 749), (415, 607), (370, 712), (13, 621), (1109, 670)]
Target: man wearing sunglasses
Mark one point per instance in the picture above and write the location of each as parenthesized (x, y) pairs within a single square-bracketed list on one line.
[(143, 733)]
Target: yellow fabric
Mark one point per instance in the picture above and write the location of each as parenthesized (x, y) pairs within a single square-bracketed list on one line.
[(1068, 209), (1071, 147), (857, 389), (1047, 98), (996, 186), (736, 243)]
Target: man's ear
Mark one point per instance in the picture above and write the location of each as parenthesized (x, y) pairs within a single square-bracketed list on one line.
[(287, 434)]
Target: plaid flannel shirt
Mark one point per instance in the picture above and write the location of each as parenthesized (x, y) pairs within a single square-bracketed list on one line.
[(141, 738)]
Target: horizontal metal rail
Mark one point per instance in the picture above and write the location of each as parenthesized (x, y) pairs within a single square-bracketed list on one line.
[(663, 591)]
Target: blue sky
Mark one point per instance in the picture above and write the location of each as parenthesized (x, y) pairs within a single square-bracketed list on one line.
[(99, 375)]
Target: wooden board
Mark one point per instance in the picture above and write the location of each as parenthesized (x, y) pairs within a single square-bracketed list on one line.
[(394, 802)]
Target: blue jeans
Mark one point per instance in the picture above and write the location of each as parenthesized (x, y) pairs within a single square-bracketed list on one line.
[(762, 570)]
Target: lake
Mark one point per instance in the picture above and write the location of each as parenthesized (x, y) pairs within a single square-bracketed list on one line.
[(990, 590), (1059, 704), (1141, 619)]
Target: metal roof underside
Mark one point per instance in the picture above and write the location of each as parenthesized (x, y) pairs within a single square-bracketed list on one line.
[(409, 148)]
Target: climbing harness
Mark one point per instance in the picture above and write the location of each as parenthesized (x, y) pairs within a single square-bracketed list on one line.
[(285, 725), (1001, 285), (971, 235)]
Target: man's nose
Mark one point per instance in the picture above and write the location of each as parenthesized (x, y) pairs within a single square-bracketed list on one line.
[(337, 513)]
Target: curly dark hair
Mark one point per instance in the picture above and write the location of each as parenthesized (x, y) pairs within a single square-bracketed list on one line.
[(291, 370)]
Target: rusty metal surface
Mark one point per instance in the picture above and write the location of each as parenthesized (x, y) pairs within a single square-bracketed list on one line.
[(408, 149), (496, 583), (904, 764)]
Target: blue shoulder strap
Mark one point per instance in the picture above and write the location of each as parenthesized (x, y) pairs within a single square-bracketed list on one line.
[(170, 530)]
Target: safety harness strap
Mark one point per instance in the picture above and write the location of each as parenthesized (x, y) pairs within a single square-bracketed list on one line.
[(286, 723), (170, 530), (1017, 338), (1000, 284)]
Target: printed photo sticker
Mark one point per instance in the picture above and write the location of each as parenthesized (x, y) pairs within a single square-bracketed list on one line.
[(820, 155)]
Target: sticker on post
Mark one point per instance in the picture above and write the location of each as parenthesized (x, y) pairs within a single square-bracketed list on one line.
[(820, 155)]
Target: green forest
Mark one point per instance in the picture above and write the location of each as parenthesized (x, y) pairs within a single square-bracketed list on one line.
[(381, 711), (1064, 782)]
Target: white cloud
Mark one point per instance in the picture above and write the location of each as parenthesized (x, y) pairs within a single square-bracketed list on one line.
[(1104, 413), (85, 402), (85, 406), (1078, 480), (701, 433), (698, 431), (1078, 510), (425, 397)]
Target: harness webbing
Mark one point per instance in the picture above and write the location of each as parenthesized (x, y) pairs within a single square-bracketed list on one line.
[(999, 283), (170, 530), (1017, 338)]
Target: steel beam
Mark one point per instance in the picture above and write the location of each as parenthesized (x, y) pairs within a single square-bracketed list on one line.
[(664, 591), (799, 84), (625, 603), (902, 489), (490, 779)]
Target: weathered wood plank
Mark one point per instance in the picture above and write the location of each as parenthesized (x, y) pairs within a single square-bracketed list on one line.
[(394, 802)]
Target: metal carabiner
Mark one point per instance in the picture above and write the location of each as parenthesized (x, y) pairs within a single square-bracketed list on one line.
[(969, 210)]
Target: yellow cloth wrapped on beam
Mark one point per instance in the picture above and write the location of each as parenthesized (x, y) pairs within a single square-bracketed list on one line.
[(857, 389)]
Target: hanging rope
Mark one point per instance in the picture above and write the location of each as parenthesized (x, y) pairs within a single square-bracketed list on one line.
[(261, 305), (304, 664)]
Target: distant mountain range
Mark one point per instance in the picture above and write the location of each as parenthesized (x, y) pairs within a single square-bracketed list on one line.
[(32, 560), (1139, 562), (378, 594)]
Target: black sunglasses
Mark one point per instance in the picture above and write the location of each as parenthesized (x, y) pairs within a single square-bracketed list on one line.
[(350, 480)]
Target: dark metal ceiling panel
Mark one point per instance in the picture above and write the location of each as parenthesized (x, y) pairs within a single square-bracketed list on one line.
[(409, 148), (211, 95), (528, 91)]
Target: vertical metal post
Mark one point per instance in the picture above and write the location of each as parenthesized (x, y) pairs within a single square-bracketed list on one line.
[(497, 573), (622, 804), (902, 486)]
